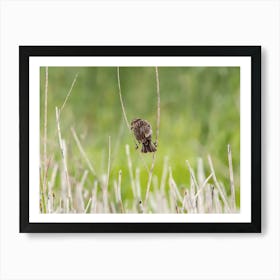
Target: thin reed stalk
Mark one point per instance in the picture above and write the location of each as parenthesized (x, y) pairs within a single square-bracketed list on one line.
[(119, 192), (186, 202), (63, 154), (130, 168), (69, 92), (200, 171), (45, 184), (121, 100), (218, 185), (43, 207), (113, 208), (157, 139), (193, 200), (174, 187), (209, 198), (109, 162), (196, 200), (63, 146), (106, 183), (53, 176), (203, 185), (216, 200), (137, 183), (158, 105), (150, 180), (93, 208), (88, 205), (105, 194), (164, 175), (192, 175), (126, 120), (50, 189), (80, 205), (83, 153)]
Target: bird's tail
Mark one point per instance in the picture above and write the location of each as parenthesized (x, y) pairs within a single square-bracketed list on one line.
[(148, 147)]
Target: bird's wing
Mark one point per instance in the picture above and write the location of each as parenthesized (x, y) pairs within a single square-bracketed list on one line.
[(148, 131)]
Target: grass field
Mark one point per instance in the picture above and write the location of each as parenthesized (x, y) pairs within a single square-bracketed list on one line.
[(88, 158)]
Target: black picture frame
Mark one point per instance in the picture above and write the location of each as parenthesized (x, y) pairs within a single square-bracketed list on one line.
[(254, 52)]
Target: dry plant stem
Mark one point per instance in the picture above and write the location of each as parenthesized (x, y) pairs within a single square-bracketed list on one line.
[(164, 175), (42, 202), (174, 187), (116, 191), (45, 191), (53, 176), (194, 189), (105, 182), (157, 136), (62, 149), (120, 94), (158, 105), (232, 189), (67, 205), (209, 198), (125, 118), (224, 190), (172, 200), (200, 179), (60, 210), (45, 124), (149, 180), (192, 176), (113, 207), (105, 196), (83, 153), (94, 198), (109, 161), (109, 164), (186, 202), (69, 92), (217, 203), (218, 185), (119, 192), (88, 205), (130, 170), (192, 197), (137, 183), (79, 193), (153, 204), (204, 185), (50, 189), (200, 171)]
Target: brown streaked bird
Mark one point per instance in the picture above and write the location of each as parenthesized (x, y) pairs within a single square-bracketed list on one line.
[(143, 133)]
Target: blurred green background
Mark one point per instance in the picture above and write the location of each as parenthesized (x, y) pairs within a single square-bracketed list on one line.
[(199, 116)]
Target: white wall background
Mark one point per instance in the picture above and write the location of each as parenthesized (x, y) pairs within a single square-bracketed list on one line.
[(139, 256)]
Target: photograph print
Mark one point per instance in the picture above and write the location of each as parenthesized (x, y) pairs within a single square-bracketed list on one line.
[(162, 142)]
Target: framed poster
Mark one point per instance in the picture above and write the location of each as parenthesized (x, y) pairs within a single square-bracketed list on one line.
[(140, 138)]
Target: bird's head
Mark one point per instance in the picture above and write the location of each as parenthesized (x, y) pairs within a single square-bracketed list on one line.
[(133, 123)]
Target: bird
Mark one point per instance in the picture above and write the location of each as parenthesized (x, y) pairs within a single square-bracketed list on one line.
[(143, 133)]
